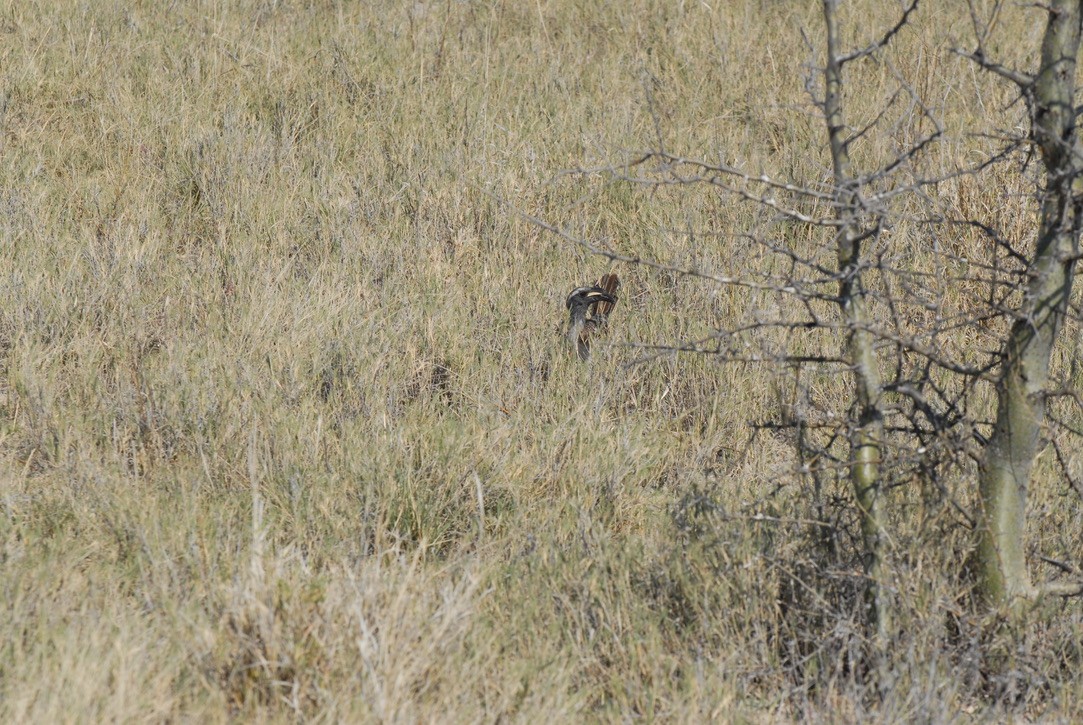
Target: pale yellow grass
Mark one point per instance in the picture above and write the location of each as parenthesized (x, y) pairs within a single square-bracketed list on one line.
[(287, 428)]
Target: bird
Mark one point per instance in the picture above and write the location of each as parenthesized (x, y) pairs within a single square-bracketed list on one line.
[(602, 297)]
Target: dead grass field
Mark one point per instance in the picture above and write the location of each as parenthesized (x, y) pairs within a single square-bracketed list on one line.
[(286, 426)]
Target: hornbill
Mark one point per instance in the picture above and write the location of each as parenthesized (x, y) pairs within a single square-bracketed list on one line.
[(602, 298)]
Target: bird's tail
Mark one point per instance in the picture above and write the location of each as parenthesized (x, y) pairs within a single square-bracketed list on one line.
[(610, 283)]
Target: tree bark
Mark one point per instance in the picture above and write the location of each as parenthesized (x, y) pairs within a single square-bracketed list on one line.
[(1003, 575), (865, 438)]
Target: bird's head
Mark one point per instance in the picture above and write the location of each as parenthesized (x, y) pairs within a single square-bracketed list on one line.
[(586, 296)]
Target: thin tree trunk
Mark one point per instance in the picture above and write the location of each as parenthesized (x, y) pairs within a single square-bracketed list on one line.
[(867, 434), (1003, 573)]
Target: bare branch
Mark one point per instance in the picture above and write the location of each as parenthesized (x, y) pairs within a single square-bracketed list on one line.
[(724, 169), (715, 178), (1061, 589), (885, 39), (1023, 80), (982, 30), (1062, 565), (616, 257)]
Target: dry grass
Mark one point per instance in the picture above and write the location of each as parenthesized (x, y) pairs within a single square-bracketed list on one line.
[(270, 325)]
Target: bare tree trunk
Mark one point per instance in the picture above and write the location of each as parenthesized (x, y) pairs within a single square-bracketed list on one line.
[(867, 434), (1003, 573)]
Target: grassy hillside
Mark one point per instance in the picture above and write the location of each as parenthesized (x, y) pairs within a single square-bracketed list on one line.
[(287, 429)]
